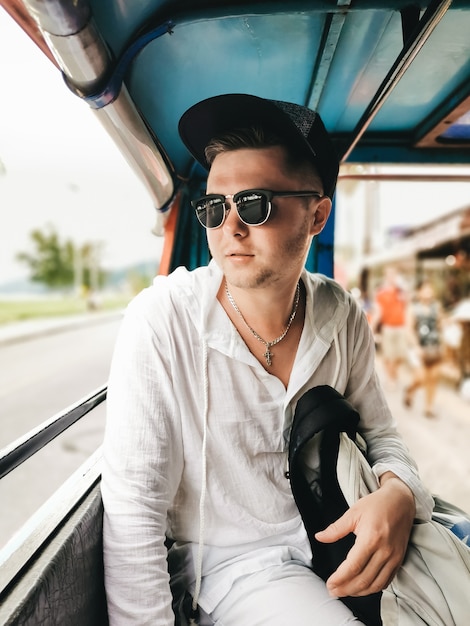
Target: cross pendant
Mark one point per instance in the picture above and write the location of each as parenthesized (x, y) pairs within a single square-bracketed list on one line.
[(267, 355)]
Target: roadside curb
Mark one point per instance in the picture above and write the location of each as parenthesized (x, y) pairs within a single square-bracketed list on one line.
[(30, 329)]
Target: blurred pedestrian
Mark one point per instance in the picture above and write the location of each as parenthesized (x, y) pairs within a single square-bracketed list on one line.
[(390, 316), (425, 325)]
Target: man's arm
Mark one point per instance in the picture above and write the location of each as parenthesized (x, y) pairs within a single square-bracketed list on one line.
[(141, 472)]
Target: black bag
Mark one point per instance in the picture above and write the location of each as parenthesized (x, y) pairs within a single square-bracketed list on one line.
[(324, 412)]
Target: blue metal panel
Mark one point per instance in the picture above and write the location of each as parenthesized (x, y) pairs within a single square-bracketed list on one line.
[(274, 49), (370, 42), (240, 54), (119, 21)]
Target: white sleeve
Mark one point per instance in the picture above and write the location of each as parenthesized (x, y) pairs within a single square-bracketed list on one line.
[(141, 472)]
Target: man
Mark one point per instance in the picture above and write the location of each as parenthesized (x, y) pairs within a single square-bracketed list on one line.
[(208, 368), (391, 305)]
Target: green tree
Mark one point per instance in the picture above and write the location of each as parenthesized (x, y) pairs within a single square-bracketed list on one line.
[(55, 262)]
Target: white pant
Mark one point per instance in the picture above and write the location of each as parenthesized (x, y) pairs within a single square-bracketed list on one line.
[(284, 595)]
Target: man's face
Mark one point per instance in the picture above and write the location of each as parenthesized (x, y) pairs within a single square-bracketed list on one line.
[(260, 256)]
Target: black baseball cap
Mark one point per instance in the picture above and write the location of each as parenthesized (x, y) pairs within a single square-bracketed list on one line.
[(297, 124)]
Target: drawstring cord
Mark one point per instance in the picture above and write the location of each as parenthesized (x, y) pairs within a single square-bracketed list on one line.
[(194, 617), (334, 382)]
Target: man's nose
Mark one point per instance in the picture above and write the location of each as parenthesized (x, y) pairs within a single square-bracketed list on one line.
[(233, 223)]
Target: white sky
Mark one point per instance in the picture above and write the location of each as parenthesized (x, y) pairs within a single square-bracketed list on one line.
[(62, 168)]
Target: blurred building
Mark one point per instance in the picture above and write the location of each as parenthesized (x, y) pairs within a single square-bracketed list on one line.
[(438, 250)]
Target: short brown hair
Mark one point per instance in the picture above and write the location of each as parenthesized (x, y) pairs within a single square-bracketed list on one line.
[(258, 137)]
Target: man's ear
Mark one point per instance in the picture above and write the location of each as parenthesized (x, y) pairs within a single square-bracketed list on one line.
[(320, 216)]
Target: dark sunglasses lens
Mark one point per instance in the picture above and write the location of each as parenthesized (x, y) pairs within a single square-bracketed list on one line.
[(210, 211), (253, 208)]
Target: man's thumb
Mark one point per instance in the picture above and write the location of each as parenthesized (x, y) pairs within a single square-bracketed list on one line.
[(334, 531)]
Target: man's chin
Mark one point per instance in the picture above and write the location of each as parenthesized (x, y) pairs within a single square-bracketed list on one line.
[(244, 279)]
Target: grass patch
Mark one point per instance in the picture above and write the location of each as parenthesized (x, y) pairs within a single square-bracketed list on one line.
[(20, 310)]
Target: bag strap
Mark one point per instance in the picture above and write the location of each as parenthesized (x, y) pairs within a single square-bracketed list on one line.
[(321, 414)]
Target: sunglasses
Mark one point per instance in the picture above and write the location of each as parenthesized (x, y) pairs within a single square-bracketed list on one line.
[(253, 206)]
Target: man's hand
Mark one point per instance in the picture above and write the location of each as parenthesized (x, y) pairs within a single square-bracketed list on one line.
[(382, 523)]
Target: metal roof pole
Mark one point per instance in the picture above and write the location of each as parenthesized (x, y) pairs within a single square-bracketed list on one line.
[(332, 31), (86, 63)]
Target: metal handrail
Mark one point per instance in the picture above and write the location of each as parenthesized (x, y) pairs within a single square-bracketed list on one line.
[(27, 445)]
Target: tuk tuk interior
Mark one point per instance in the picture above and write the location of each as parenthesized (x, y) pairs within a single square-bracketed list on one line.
[(391, 81)]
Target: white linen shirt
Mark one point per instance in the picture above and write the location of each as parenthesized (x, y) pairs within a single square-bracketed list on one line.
[(180, 367)]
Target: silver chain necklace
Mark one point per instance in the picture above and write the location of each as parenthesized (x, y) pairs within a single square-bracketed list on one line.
[(269, 344)]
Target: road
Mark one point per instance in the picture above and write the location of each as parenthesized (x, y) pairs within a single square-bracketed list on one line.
[(45, 374), (439, 445), (40, 377)]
